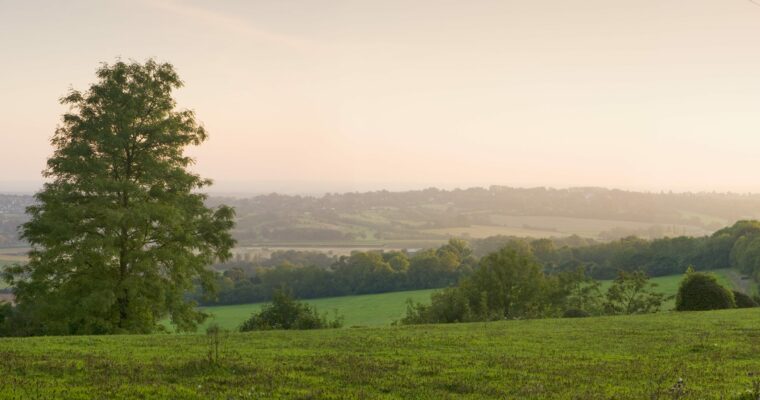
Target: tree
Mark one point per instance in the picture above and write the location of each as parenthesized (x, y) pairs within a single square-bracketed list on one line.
[(507, 284), (285, 312), (584, 295), (701, 291), (743, 300), (632, 293), (514, 284), (120, 233)]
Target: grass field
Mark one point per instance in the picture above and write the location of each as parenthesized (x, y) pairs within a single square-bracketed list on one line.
[(631, 357), (363, 310), (383, 309)]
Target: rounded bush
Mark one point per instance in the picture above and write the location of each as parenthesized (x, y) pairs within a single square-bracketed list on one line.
[(575, 313), (743, 300), (700, 291)]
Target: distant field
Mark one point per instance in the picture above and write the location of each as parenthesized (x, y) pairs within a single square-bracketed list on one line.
[(625, 357), (13, 255), (333, 248), (589, 227), (363, 310), (549, 226), (383, 309), (482, 231)]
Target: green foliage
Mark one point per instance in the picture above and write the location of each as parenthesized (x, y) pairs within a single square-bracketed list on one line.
[(575, 313), (120, 233), (743, 300), (508, 284), (287, 313), (6, 311), (446, 306), (584, 294), (363, 272), (216, 338), (511, 283), (701, 291), (632, 293)]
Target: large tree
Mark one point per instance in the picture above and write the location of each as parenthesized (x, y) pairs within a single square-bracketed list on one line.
[(120, 231)]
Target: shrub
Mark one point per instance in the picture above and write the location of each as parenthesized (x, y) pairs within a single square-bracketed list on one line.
[(446, 306), (700, 291), (743, 300), (575, 313), (214, 338), (285, 312)]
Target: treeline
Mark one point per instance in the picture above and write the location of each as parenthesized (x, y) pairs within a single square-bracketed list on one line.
[(737, 246), (314, 274), (363, 272)]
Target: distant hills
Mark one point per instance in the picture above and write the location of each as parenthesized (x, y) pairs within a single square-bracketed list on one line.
[(431, 215)]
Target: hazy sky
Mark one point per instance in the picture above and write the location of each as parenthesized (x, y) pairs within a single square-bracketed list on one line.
[(304, 96)]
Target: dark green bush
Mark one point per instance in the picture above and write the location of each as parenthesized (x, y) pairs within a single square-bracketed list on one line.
[(700, 291), (743, 300), (575, 313), (285, 312)]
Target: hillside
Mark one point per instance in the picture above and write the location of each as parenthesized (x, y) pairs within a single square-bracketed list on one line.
[(635, 357), (423, 218)]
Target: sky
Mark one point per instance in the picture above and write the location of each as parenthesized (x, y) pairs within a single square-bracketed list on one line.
[(343, 95)]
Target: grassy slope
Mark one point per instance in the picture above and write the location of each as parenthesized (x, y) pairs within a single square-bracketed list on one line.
[(633, 357), (383, 309)]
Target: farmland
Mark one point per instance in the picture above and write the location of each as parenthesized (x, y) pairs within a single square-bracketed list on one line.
[(632, 357), (383, 309)]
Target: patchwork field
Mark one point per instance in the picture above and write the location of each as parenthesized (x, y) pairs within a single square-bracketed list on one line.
[(382, 309), (634, 357), (551, 226)]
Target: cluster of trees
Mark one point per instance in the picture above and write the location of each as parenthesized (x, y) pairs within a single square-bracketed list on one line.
[(285, 312), (701, 291), (362, 272), (511, 284), (737, 246), (313, 275)]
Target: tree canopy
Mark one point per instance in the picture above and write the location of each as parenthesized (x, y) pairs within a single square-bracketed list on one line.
[(700, 291), (120, 231)]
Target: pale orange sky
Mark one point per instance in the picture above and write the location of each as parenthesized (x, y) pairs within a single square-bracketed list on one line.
[(310, 96)]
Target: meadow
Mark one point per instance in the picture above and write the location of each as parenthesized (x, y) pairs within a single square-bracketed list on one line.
[(625, 357), (385, 308), (363, 310)]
